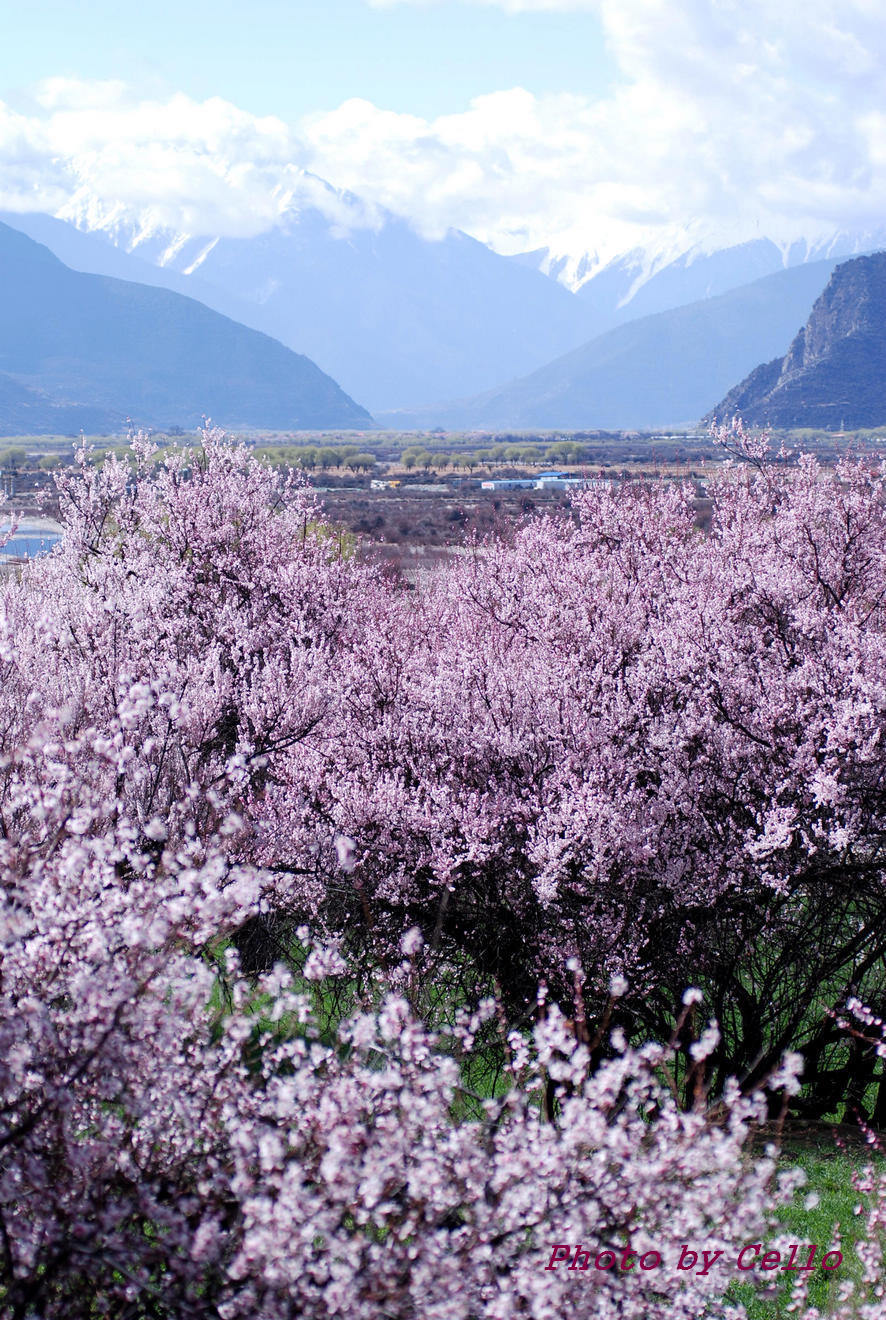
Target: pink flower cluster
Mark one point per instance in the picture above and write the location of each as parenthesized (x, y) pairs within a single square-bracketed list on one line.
[(609, 754), (162, 1151)]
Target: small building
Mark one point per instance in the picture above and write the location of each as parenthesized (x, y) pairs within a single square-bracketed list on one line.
[(509, 483), (567, 483)]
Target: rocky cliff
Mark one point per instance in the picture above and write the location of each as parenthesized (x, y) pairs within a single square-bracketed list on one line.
[(834, 373)]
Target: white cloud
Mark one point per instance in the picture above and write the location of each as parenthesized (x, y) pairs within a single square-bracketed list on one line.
[(201, 167), (734, 116), (729, 117)]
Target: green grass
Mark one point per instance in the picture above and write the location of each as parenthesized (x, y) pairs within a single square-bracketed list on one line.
[(829, 1174), (827, 1160)]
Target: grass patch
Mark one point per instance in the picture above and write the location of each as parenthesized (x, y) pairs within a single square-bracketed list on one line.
[(832, 1223)]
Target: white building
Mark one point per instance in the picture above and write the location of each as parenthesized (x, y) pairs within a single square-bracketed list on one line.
[(510, 483)]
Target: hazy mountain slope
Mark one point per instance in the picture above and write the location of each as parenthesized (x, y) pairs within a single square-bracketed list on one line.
[(834, 372), (661, 370), (26, 411), (128, 349), (96, 254), (395, 317)]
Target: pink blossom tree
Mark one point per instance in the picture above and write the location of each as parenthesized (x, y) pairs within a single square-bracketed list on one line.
[(654, 749), (615, 757), (618, 739), (178, 1140)]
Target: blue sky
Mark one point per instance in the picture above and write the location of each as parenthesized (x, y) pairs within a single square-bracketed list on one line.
[(290, 57), (586, 126)]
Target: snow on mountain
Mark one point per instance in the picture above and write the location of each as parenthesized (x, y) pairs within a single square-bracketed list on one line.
[(401, 320), (397, 318), (673, 267)]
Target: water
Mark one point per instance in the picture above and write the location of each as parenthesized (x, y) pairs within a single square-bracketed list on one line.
[(30, 540)]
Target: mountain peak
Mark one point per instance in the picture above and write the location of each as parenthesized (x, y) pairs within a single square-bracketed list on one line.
[(74, 345), (833, 373)]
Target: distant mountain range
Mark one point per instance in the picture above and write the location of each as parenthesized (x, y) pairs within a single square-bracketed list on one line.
[(397, 319), (403, 321), (682, 264), (80, 350), (834, 372), (659, 371), (446, 332)]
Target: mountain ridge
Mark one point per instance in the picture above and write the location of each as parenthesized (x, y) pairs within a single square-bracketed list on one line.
[(399, 319), (833, 372), (395, 318), (118, 349), (658, 371)]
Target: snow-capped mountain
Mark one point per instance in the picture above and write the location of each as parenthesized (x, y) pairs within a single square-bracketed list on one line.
[(683, 265), (397, 318), (403, 321)]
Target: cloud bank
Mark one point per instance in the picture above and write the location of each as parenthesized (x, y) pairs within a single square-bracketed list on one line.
[(97, 150), (726, 120)]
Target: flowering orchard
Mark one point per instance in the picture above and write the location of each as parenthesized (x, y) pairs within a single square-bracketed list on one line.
[(337, 921), (656, 751)]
